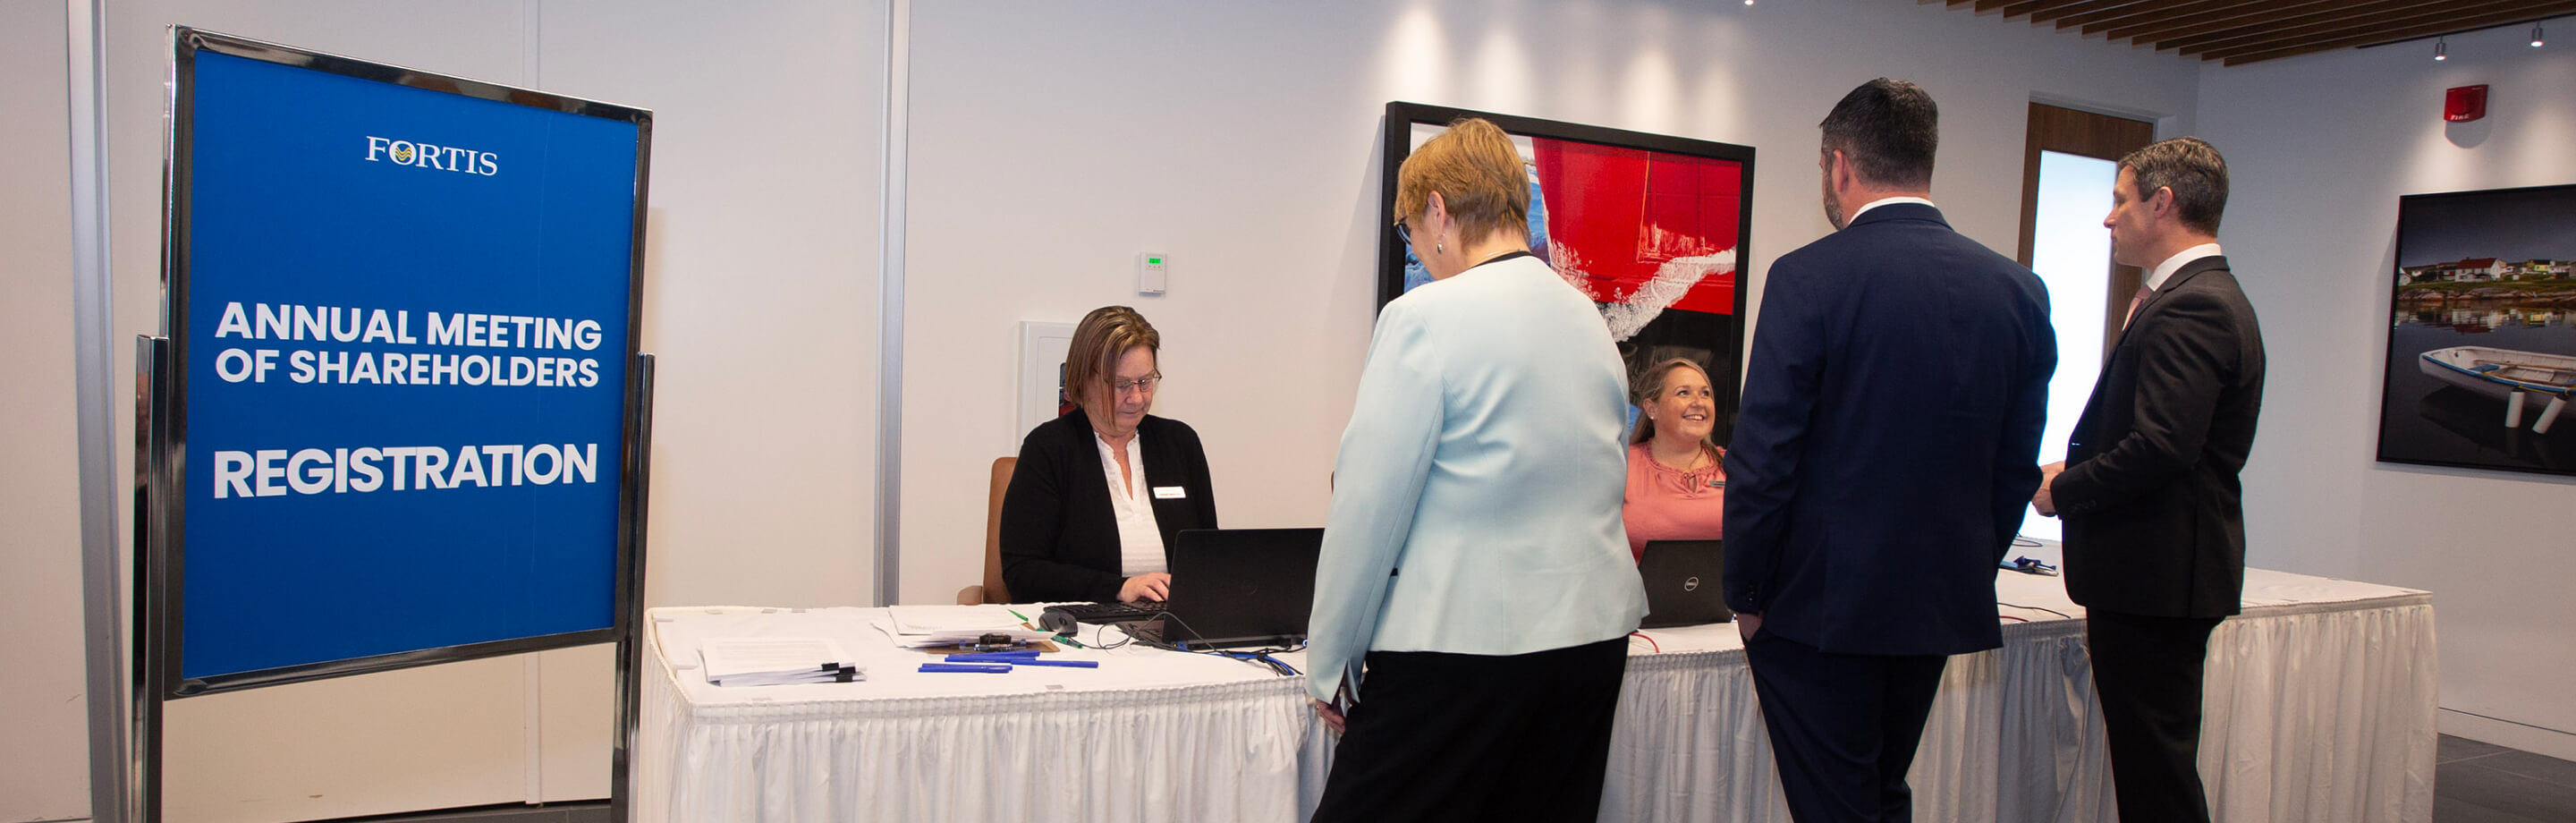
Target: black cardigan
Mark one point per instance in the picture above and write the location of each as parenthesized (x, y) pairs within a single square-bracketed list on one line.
[(1059, 533)]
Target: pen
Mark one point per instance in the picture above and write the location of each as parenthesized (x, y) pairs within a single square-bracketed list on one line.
[(994, 657), (1073, 664), (968, 668)]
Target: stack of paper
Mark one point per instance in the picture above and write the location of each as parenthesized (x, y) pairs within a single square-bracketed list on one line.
[(916, 626), (773, 661)]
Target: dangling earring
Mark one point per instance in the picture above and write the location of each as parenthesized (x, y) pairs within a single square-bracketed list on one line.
[(1439, 248)]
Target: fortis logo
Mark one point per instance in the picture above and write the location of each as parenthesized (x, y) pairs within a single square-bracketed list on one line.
[(430, 156)]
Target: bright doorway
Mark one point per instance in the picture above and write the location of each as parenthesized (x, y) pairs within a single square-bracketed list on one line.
[(2069, 171)]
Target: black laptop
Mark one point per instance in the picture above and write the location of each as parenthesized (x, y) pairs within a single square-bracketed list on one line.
[(1682, 579), (1237, 587)]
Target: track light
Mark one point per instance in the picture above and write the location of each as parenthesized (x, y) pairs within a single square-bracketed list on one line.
[(2535, 35), (2441, 50)]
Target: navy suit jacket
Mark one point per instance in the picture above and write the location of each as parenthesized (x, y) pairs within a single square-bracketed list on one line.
[(2155, 518), (1889, 437)]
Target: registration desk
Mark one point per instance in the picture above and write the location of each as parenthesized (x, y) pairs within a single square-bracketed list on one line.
[(2320, 707)]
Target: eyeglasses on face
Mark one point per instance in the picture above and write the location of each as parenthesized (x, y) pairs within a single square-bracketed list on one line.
[(1145, 383)]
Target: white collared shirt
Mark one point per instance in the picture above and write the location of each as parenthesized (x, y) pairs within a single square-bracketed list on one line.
[(1883, 201), (2164, 271), (1140, 541)]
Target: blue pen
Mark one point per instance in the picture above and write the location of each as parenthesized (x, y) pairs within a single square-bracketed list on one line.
[(993, 657), (1074, 664), (969, 668)]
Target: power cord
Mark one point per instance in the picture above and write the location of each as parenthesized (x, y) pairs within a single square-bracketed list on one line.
[(2034, 608), (1260, 656)]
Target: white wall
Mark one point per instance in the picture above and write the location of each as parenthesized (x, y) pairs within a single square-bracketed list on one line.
[(1051, 142), (2319, 148), (44, 773), (760, 282), (762, 252)]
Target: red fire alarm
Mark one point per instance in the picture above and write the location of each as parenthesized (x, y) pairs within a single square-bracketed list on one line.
[(2465, 103)]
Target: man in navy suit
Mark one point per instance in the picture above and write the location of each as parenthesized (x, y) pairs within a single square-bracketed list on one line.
[(2155, 518), (1891, 419)]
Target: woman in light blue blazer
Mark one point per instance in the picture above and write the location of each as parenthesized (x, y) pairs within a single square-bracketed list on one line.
[(1475, 591)]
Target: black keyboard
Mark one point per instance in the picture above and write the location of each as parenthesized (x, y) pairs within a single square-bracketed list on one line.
[(1112, 612)]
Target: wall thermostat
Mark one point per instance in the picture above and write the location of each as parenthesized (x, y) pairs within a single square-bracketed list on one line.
[(1153, 272)]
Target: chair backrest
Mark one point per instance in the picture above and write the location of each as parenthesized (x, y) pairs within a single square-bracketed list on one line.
[(994, 591)]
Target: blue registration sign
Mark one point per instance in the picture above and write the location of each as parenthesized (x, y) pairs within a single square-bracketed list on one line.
[(403, 308)]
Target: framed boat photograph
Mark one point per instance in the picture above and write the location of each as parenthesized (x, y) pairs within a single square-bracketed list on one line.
[(2482, 332)]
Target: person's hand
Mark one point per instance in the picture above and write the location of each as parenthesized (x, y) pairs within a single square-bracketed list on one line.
[(1147, 586), (2043, 501), (1332, 717), (1747, 623)]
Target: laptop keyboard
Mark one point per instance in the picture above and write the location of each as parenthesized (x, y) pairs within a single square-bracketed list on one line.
[(1113, 612)]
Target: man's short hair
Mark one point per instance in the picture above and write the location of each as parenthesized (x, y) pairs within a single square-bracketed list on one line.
[(2192, 169), (1888, 130)]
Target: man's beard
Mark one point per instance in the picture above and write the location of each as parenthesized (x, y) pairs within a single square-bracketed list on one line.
[(1834, 210)]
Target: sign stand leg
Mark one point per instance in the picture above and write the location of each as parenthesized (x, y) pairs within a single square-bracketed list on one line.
[(153, 490), (637, 475)]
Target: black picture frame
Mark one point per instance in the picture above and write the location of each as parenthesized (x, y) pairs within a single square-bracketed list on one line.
[(2481, 285), (1692, 333)]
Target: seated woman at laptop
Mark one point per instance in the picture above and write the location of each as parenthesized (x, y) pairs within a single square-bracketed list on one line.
[(1676, 472), (1100, 491)]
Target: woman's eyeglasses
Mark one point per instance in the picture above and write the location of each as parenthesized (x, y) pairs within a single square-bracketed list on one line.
[(1146, 383)]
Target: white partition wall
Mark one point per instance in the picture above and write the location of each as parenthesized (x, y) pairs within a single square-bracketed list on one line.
[(1053, 142), (44, 739), (2319, 149)]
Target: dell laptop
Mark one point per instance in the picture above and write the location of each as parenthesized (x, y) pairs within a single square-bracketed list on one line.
[(1682, 579), (1237, 587)]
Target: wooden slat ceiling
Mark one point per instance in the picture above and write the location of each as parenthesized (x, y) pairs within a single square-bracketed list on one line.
[(2237, 32)]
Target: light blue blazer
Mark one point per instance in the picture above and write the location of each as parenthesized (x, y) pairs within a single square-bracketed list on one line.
[(1476, 499)]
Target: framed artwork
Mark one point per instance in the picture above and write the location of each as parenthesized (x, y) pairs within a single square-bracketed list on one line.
[(1651, 227), (1042, 396), (2482, 332)]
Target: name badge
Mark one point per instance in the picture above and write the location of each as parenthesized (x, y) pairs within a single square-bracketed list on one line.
[(1169, 493)]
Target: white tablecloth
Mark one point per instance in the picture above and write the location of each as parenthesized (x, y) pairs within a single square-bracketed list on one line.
[(1147, 736), (2320, 707)]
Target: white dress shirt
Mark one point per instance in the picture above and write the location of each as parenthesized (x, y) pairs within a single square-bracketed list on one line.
[(1140, 541), (2165, 270), (1883, 201)]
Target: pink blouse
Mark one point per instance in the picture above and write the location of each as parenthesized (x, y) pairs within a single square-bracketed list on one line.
[(1665, 503)]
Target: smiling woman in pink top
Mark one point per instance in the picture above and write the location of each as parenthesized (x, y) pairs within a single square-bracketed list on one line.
[(1676, 476)]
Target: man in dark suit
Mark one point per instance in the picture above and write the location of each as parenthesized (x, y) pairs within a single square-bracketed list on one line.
[(1893, 405), (2155, 519)]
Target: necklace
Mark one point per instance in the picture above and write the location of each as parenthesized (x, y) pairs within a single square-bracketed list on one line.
[(1697, 454)]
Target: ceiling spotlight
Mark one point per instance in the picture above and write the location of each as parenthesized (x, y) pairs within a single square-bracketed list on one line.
[(2441, 49), (1748, 2), (2535, 35)]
